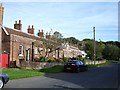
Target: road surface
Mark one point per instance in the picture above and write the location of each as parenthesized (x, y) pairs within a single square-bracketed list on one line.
[(102, 77)]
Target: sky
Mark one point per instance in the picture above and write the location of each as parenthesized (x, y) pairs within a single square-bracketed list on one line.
[(71, 19)]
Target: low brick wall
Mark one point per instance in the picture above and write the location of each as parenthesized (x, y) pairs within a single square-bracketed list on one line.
[(96, 62), (41, 65), (38, 65)]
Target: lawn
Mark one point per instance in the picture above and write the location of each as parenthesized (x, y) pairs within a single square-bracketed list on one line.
[(21, 73), (54, 69), (25, 73)]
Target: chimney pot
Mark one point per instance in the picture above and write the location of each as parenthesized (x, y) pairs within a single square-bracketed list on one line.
[(32, 26), (19, 21), (15, 22), (42, 30), (29, 27)]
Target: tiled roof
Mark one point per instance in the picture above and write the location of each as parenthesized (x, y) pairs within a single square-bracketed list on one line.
[(20, 33)]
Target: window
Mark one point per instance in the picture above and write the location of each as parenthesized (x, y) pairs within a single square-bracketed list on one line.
[(20, 50), (81, 63), (36, 51)]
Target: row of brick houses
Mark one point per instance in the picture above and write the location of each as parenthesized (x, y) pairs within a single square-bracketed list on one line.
[(26, 46), (23, 46)]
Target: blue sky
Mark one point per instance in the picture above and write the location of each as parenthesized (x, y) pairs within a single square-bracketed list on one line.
[(72, 19)]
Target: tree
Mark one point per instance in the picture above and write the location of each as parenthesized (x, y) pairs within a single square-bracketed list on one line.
[(72, 40), (111, 52), (57, 35), (89, 48), (99, 49)]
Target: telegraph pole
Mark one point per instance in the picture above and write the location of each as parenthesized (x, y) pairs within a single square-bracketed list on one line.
[(94, 45)]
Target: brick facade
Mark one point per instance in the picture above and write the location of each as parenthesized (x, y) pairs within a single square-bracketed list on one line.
[(13, 40)]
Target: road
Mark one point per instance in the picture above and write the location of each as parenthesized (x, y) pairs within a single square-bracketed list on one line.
[(102, 77)]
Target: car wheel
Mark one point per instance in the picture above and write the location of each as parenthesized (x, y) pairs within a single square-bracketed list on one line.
[(77, 70), (1, 83), (86, 68)]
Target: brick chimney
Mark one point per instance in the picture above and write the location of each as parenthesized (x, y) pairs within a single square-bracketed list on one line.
[(1, 13), (18, 25), (41, 33), (30, 30), (48, 36)]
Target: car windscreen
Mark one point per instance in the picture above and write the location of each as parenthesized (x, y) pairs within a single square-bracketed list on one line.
[(72, 62)]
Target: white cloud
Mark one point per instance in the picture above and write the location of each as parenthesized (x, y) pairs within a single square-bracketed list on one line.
[(71, 19)]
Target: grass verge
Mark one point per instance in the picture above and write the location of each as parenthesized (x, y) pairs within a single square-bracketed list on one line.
[(25, 73), (54, 69), (21, 73)]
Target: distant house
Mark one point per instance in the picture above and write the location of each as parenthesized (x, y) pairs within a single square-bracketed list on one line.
[(71, 51), (83, 54)]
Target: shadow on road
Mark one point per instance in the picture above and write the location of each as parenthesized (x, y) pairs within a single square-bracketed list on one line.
[(102, 77)]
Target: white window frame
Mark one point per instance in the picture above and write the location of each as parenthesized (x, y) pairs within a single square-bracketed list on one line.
[(21, 51), (36, 51)]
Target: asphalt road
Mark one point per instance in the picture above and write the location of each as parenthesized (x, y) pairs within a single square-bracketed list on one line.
[(102, 77)]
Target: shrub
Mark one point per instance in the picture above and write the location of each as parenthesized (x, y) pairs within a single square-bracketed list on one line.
[(42, 59)]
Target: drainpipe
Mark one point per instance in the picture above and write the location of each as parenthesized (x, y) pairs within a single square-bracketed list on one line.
[(32, 51)]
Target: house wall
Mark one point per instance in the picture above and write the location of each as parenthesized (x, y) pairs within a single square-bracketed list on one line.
[(16, 41), (5, 42), (70, 51)]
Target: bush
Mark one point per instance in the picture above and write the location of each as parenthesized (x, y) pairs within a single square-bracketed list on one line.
[(50, 59), (42, 59), (36, 59), (65, 59)]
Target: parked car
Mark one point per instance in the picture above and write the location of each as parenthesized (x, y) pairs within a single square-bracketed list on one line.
[(75, 65), (4, 78)]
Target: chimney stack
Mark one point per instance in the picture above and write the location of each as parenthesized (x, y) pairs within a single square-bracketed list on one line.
[(18, 25), (1, 13), (41, 33), (30, 30), (48, 36)]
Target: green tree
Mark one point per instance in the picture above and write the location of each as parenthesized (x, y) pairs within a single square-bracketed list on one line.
[(99, 49), (71, 40), (89, 48), (57, 35), (111, 52)]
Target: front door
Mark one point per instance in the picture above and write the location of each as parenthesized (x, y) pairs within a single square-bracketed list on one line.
[(27, 54)]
